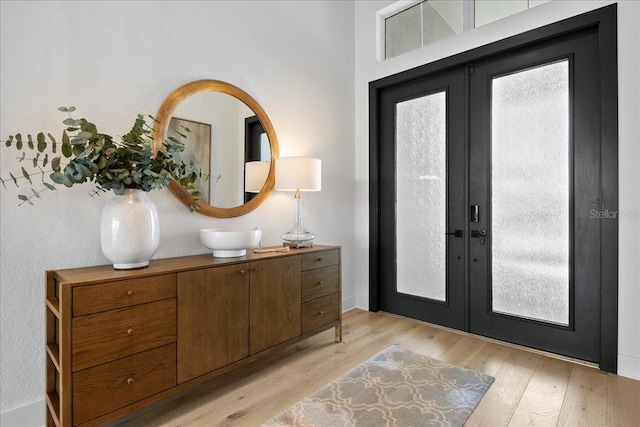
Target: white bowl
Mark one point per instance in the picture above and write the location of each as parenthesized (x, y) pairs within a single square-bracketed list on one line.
[(231, 242)]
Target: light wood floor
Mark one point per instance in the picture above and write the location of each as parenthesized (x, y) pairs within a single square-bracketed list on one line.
[(529, 390)]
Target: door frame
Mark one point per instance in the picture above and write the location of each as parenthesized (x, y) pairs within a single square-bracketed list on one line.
[(605, 21)]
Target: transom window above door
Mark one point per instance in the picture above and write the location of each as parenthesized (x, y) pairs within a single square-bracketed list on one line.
[(408, 25)]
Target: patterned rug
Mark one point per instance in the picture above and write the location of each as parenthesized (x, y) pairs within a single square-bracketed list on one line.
[(394, 388)]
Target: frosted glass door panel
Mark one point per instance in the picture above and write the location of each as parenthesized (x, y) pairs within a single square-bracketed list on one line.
[(421, 189), (530, 193)]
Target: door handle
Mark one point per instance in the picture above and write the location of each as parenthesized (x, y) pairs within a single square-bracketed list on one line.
[(456, 233), (479, 234)]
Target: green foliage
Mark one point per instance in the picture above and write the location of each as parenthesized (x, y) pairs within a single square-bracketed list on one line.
[(90, 156)]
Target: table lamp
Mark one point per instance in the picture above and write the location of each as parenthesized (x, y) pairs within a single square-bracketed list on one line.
[(298, 174)]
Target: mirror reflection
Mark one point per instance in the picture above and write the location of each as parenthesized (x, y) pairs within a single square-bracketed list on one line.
[(224, 135), (230, 139)]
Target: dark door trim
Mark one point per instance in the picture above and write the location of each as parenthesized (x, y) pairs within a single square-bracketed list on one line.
[(253, 130), (605, 21)]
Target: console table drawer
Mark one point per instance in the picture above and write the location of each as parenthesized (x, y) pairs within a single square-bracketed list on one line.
[(320, 259), (320, 311), (123, 293), (320, 282), (107, 387), (103, 337)]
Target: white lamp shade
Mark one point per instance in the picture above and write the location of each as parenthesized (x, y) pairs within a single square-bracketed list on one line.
[(298, 173), (255, 175)]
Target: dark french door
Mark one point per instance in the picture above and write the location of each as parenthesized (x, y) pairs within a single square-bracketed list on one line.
[(535, 175), (423, 196), (487, 174)]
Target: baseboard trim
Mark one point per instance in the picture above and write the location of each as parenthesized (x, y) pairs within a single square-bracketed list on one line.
[(362, 301), (348, 303), (31, 415), (629, 366)]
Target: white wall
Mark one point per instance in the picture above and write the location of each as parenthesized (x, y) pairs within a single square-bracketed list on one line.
[(368, 69), (113, 60)]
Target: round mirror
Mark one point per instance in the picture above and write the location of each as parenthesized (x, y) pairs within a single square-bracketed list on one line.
[(230, 139)]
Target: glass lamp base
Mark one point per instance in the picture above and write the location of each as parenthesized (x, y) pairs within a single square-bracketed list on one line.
[(298, 236), (297, 245), (298, 239)]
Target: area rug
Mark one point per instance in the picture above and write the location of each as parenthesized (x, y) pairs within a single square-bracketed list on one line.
[(396, 387)]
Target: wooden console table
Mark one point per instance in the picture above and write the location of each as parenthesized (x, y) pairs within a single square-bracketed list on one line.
[(119, 340)]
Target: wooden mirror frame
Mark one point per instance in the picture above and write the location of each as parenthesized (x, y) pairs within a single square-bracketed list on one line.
[(160, 130)]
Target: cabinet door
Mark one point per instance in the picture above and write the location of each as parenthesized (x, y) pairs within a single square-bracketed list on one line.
[(213, 319), (275, 302)]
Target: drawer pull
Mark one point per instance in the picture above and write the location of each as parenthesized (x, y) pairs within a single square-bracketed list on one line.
[(130, 293), (129, 380), (243, 271), (256, 269), (321, 312), (320, 259), (320, 283), (130, 331)]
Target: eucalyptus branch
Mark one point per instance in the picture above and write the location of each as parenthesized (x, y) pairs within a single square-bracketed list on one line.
[(95, 157), (34, 194), (26, 175)]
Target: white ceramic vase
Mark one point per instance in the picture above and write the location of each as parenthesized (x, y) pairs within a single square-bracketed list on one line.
[(129, 230)]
